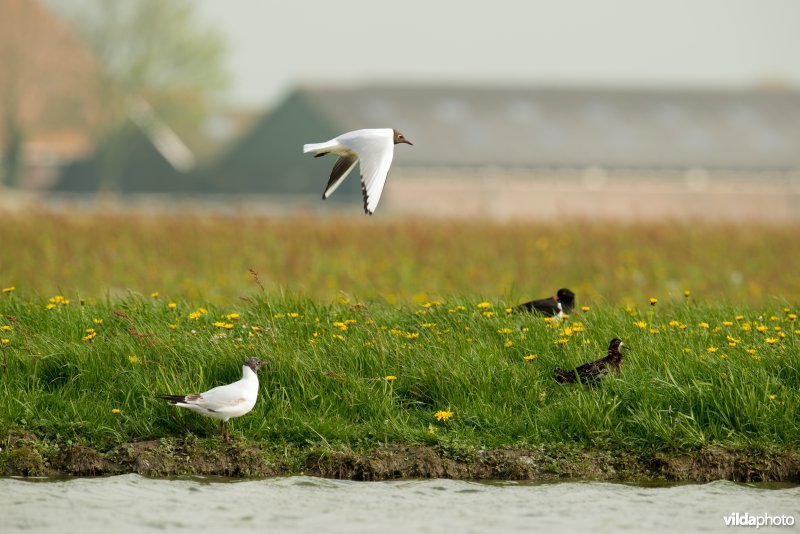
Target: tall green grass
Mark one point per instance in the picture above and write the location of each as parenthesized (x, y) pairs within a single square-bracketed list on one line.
[(326, 380)]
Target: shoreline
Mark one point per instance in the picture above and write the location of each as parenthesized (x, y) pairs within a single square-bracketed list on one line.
[(167, 457)]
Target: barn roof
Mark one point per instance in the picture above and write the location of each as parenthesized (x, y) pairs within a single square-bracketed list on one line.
[(556, 127)]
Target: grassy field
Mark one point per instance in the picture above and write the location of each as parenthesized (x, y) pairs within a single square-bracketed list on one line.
[(206, 258), (371, 330), (698, 374)]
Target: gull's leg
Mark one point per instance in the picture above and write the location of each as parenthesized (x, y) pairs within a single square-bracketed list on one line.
[(222, 428)]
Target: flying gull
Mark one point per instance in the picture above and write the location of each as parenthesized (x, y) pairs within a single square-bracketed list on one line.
[(224, 402), (373, 147)]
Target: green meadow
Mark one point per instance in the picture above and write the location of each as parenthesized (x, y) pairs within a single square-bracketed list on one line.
[(360, 375), (398, 334)]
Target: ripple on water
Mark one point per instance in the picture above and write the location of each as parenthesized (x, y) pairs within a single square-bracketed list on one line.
[(301, 504)]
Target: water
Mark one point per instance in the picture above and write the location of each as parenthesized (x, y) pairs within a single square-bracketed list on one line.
[(130, 503)]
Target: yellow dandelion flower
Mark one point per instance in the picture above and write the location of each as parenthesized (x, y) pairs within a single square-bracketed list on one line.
[(771, 340), (723, 356), (792, 316), (562, 341), (338, 336), (50, 306), (488, 314), (654, 330), (484, 305), (97, 321), (727, 323), (530, 357), (173, 326), (508, 310), (508, 344), (412, 335), (90, 336), (687, 293), (653, 301), (172, 305), (640, 324), (6, 327), (5, 341), (703, 325), (154, 294), (566, 332), (585, 308), (294, 315), (762, 328), (504, 330), (772, 397), (746, 327), (116, 411), (390, 378), (687, 350), (219, 324), (712, 349), (256, 328), (428, 325), (443, 415), (9, 289), (234, 316), (133, 358)]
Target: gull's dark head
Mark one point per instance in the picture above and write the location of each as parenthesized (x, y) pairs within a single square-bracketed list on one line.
[(566, 296), (400, 138), (616, 344), (255, 364)]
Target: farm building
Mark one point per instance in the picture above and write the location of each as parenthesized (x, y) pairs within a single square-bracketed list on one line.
[(481, 148)]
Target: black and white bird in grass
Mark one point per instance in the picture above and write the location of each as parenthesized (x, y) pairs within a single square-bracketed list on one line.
[(563, 302), (224, 402), (590, 373), (373, 147)]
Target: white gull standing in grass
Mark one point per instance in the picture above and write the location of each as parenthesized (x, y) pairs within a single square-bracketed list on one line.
[(374, 147), (224, 402)]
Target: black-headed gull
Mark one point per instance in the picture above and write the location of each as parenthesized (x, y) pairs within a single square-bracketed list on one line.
[(563, 302), (224, 402), (374, 147)]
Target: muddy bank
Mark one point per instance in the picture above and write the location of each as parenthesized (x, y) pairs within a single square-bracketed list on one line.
[(27, 456)]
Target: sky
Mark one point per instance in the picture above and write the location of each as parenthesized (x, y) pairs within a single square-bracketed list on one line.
[(276, 44)]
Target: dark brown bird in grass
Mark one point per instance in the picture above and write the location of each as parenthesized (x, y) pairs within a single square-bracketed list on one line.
[(563, 302), (590, 373)]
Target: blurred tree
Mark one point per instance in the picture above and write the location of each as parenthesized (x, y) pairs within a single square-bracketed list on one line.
[(151, 50), (45, 99)]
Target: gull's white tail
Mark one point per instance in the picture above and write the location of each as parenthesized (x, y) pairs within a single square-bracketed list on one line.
[(320, 147)]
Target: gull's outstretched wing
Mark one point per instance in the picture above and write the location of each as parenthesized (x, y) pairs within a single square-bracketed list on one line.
[(376, 153), (340, 171)]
